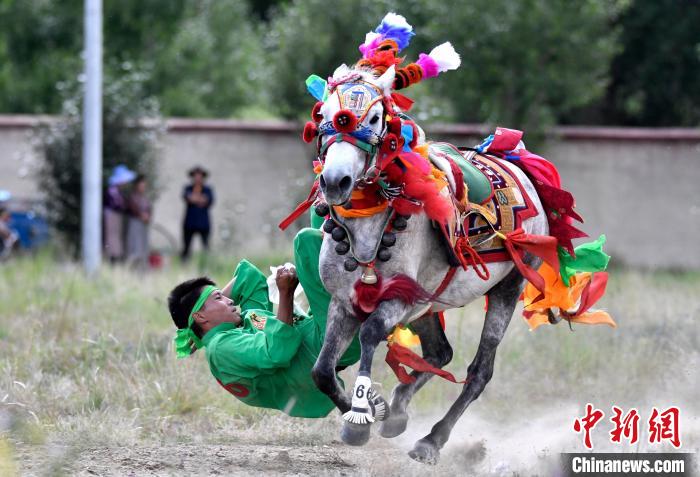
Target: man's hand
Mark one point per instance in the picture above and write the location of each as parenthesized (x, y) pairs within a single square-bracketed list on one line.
[(286, 280)]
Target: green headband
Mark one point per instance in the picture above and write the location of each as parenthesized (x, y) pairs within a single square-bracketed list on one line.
[(185, 337)]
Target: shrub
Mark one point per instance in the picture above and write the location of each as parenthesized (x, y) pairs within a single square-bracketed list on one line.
[(126, 139)]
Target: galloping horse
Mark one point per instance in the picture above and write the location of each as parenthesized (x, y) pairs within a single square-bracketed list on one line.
[(349, 164)]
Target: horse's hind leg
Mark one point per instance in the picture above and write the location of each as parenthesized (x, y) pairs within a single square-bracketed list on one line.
[(502, 300), (436, 351)]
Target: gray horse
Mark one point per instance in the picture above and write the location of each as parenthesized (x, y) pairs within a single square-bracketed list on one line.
[(418, 254)]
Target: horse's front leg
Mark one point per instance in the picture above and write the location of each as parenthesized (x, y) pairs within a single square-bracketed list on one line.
[(375, 329), (340, 330)]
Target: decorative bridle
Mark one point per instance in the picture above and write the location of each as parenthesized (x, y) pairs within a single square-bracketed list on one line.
[(346, 126), (356, 98)]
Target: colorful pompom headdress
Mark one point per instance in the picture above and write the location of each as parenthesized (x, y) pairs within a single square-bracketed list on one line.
[(382, 47), (380, 51)]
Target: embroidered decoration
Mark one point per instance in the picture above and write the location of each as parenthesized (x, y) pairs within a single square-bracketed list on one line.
[(257, 321)]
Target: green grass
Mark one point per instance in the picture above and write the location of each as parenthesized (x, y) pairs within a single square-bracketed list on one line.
[(88, 362)]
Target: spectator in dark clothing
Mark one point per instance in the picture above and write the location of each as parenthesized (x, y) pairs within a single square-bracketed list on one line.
[(198, 198)]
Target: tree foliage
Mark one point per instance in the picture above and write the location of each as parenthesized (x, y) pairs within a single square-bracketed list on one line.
[(525, 63), (124, 142), (656, 76)]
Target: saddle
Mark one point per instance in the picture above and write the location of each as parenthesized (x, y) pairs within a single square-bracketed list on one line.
[(489, 202)]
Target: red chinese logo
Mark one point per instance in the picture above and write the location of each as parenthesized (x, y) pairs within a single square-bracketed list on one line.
[(627, 426), (663, 426), (589, 422)]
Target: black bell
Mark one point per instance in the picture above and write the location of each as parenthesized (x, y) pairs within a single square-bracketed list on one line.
[(338, 234), (350, 264), (322, 209), (389, 239), (342, 248), (400, 223), (384, 254), (329, 225)]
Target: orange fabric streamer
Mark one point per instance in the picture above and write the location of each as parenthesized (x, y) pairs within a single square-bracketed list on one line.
[(357, 213), (573, 301)]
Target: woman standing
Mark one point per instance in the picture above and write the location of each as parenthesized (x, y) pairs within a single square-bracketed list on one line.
[(139, 218), (114, 209), (198, 198)]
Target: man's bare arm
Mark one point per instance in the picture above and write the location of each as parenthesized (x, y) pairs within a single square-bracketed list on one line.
[(287, 282)]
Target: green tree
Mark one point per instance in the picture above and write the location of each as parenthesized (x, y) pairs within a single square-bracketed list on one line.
[(524, 63), (656, 75), (201, 57), (213, 65), (124, 142)]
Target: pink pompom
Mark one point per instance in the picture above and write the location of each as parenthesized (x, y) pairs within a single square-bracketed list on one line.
[(428, 65)]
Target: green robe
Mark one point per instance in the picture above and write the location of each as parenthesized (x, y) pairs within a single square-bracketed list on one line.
[(265, 362)]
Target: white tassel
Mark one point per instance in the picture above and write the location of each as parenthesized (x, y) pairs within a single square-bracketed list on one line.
[(357, 417), (378, 404), (446, 57), (370, 36)]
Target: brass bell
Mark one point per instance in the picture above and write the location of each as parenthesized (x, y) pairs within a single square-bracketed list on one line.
[(369, 277)]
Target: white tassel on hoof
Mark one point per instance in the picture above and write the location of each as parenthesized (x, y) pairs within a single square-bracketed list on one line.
[(360, 412)]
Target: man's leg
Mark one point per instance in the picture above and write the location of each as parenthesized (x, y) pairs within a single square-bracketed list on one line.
[(187, 234), (205, 238), (307, 248)]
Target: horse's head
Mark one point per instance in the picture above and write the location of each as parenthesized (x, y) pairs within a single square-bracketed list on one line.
[(352, 129)]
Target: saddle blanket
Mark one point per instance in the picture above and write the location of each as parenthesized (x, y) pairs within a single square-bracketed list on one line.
[(490, 199)]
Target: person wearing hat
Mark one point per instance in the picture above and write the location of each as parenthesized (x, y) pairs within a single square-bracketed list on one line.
[(198, 198), (115, 207), (262, 358)]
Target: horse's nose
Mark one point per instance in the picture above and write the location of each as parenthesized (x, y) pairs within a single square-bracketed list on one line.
[(336, 187)]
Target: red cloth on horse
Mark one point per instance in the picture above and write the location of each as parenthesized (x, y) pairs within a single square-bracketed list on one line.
[(557, 202)]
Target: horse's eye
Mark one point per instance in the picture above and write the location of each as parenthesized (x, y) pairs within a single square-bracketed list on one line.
[(374, 119)]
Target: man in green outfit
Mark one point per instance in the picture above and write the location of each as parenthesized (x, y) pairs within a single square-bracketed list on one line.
[(263, 359)]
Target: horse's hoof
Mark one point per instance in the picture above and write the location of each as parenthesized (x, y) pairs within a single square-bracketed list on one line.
[(394, 426), (425, 452), (355, 434)]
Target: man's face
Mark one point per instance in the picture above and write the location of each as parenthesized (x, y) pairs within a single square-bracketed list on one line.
[(219, 309)]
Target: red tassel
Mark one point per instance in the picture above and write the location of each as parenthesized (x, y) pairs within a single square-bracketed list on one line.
[(345, 121), (301, 208), (394, 126), (399, 287), (310, 132), (459, 180), (403, 102), (399, 355), (414, 141), (404, 206), (316, 115)]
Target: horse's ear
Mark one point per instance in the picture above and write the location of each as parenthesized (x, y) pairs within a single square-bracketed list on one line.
[(386, 81), (341, 71)]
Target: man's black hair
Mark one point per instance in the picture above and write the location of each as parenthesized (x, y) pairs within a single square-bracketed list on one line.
[(183, 298)]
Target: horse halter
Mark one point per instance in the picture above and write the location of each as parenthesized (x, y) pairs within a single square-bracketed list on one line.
[(356, 98)]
